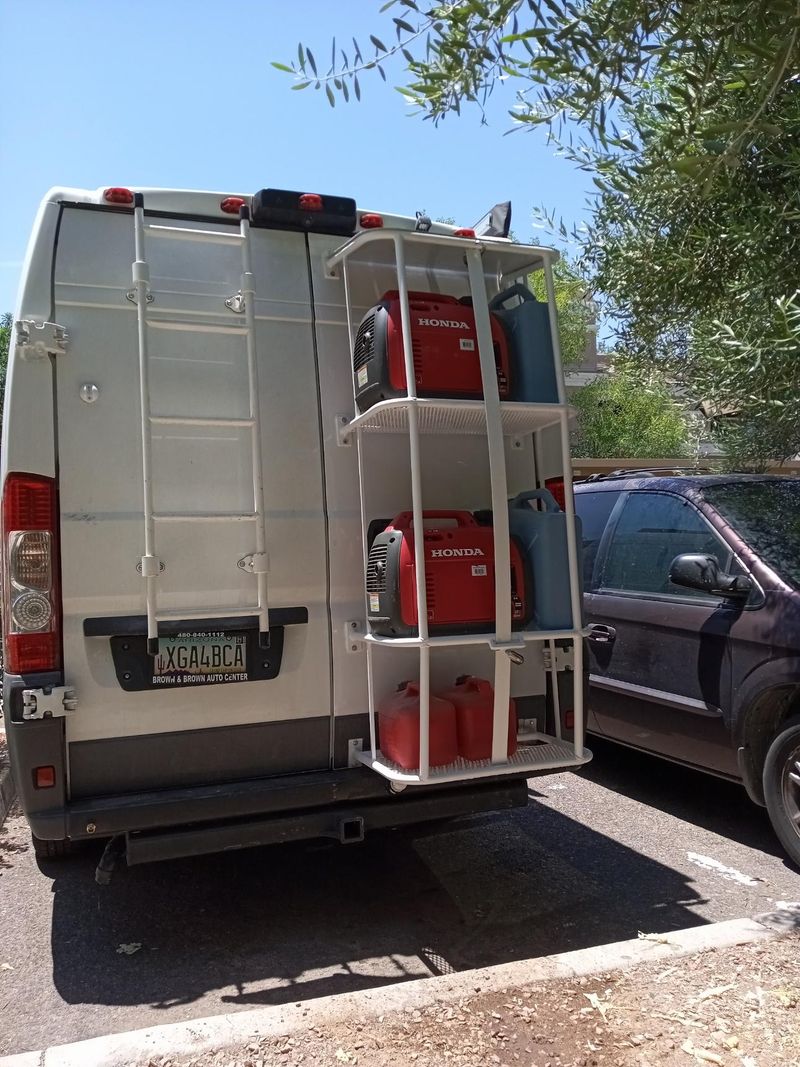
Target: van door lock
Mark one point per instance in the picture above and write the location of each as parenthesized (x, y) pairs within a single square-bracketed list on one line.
[(52, 702)]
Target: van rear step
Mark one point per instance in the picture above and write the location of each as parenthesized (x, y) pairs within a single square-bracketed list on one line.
[(346, 825)]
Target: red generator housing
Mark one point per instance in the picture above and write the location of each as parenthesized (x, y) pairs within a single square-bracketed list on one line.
[(398, 728), (445, 350), (473, 699), (459, 572)]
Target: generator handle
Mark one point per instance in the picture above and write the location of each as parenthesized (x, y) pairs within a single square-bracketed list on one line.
[(522, 291), (405, 520), (543, 495)]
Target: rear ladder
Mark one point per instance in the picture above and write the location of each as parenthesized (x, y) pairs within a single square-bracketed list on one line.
[(151, 565)]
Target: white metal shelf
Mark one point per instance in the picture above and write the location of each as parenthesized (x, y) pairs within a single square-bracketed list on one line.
[(440, 253), (460, 417), (546, 754), (518, 641)]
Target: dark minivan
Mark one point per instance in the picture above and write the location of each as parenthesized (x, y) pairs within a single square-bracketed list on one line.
[(692, 599)]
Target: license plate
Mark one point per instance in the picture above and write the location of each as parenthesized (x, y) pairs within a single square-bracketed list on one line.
[(192, 659)]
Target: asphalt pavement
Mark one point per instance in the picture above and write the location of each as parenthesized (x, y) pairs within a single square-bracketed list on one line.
[(631, 844)]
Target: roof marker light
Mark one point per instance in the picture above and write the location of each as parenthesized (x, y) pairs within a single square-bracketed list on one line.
[(118, 195), (231, 204), (310, 202), (371, 221), (465, 231)]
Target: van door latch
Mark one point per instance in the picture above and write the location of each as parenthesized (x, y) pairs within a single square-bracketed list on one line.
[(38, 340), (53, 702)]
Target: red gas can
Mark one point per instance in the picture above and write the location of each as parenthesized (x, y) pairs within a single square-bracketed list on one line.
[(473, 699), (398, 727)]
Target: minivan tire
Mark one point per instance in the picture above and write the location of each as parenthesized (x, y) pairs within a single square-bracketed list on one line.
[(782, 787), (50, 850)]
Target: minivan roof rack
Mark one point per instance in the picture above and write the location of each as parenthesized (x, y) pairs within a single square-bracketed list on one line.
[(647, 472)]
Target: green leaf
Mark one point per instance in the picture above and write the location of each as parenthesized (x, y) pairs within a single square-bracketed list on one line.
[(735, 85), (403, 25), (283, 67), (301, 85), (330, 95), (386, 6), (356, 87), (311, 60), (380, 46), (301, 57)]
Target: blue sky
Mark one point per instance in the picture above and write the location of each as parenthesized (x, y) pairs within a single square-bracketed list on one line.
[(179, 93)]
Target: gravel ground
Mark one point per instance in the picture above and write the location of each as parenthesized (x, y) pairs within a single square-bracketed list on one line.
[(731, 1008)]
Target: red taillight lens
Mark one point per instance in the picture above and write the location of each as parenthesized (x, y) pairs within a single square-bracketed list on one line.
[(370, 221), (44, 777), (31, 608), (569, 720), (231, 204), (464, 232), (310, 202), (556, 487), (117, 195)]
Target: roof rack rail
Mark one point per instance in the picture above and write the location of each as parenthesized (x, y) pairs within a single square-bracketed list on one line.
[(647, 472)]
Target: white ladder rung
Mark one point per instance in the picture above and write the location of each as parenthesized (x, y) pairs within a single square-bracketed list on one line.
[(179, 233), (197, 420), (235, 516), (207, 613)]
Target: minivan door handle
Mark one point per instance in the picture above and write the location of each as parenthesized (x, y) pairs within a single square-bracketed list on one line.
[(600, 634)]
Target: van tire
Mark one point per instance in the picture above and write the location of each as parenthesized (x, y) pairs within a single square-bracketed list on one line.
[(50, 850), (782, 787)]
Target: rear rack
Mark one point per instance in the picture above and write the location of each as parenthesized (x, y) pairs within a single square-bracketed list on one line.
[(496, 420)]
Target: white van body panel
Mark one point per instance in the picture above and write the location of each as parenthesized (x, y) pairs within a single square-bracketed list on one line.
[(198, 368)]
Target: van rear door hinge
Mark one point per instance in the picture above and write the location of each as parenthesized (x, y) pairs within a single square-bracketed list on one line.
[(54, 702), (38, 340)]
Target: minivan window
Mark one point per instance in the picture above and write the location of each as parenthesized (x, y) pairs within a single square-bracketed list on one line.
[(767, 516), (593, 509), (652, 529)]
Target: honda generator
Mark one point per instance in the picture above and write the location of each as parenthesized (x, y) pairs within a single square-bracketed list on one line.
[(459, 575), (445, 350)]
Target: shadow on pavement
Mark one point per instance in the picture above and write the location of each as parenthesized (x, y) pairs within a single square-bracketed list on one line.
[(296, 921), (701, 799)]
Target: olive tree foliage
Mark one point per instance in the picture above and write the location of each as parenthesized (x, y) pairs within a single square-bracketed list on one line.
[(686, 115), (575, 310), (626, 415)]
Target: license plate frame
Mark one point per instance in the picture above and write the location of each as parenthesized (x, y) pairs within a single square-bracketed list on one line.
[(178, 667)]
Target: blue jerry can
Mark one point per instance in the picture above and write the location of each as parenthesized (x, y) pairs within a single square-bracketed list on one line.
[(542, 537), (527, 326)]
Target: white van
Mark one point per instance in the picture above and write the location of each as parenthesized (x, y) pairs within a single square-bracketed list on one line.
[(189, 497)]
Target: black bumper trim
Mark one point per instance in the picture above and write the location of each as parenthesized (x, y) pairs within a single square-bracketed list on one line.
[(136, 625), (331, 822)]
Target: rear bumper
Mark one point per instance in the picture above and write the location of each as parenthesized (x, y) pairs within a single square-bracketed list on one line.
[(215, 816)]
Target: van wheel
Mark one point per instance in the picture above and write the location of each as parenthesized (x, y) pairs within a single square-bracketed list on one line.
[(50, 850), (782, 787)]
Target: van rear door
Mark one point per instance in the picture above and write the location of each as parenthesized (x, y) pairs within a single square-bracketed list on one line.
[(142, 724)]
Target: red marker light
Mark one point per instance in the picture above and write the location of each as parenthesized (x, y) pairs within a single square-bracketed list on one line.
[(371, 221), (44, 777), (310, 202), (231, 204), (117, 195), (569, 720), (464, 232)]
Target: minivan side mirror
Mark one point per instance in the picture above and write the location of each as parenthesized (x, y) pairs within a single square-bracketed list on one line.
[(695, 571)]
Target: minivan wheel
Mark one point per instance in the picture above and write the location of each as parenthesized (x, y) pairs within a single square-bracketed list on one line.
[(50, 850), (782, 787)]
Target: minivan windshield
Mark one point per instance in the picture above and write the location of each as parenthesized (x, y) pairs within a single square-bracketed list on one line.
[(767, 516)]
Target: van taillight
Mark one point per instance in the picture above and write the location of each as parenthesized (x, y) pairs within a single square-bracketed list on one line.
[(31, 605)]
